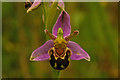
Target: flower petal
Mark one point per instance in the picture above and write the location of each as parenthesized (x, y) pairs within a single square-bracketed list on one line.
[(75, 56), (41, 53), (77, 52), (63, 22), (42, 57), (35, 4), (61, 4)]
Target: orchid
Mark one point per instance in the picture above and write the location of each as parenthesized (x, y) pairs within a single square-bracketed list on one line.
[(60, 49), (31, 5)]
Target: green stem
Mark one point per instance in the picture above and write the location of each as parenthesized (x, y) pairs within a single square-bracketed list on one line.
[(59, 74), (45, 14), (56, 74)]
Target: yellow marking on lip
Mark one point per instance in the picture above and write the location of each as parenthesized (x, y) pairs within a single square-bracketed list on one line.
[(62, 57), (55, 65), (62, 66), (55, 56)]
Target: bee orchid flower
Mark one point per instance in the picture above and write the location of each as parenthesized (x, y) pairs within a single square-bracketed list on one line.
[(33, 4), (59, 50)]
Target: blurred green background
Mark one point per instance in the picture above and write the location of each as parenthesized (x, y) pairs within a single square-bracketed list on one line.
[(22, 33)]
